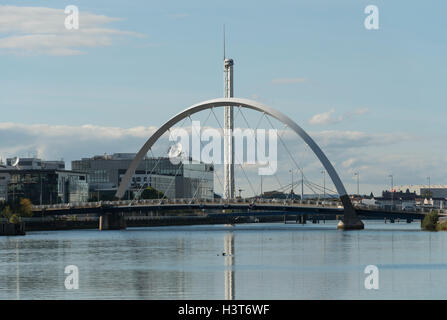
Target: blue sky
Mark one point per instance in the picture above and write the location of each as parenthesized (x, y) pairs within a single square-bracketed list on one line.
[(305, 58)]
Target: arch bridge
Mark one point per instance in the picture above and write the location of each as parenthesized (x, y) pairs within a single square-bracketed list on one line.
[(350, 218)]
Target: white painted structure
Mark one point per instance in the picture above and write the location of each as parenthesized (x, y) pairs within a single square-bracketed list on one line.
[(228, 132)]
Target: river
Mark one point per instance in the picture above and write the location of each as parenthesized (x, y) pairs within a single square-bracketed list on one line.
[(261, 261)]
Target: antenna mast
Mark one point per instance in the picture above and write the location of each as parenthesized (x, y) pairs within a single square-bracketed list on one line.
[(228, 129), (224, 41)]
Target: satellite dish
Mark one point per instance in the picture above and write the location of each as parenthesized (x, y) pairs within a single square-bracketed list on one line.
[(15, 161), (175, 150)]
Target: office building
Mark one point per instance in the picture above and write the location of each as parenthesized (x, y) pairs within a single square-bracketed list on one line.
[(182, 180), (41, 182)]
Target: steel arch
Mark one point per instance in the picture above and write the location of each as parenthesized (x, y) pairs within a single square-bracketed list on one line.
[(250, 104)]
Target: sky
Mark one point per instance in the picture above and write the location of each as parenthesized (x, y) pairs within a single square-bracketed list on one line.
[(374, 100)]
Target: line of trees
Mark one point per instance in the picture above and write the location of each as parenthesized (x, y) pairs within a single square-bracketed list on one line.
[(151, 193), (13, 212)]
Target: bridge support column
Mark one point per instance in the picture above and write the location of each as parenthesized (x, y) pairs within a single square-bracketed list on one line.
[(350, 220), (112, 221)]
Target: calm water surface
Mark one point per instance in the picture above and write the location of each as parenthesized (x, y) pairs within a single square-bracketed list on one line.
[(268, 261)]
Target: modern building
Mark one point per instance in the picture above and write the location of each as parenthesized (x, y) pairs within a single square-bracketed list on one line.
[(42, 182), (4, 181), (182, 180)]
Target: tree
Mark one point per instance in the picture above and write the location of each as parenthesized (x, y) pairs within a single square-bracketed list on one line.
[(6, 212), (14, 219), (25, 208), (22, 209), (430, 221), (151, 193)]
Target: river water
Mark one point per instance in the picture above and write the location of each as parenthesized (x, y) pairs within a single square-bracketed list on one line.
[(261, 261)]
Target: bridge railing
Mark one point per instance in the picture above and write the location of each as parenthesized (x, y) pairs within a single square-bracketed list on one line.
[(397, 209), (258, 201), (223, 202)]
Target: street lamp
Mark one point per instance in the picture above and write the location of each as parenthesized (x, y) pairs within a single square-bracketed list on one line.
[(358, 188), (392, 193), (302, 185), (429, 187), (324, 183), (291, 189)]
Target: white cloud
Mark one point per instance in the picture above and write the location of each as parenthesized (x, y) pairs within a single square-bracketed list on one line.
[(348, 163), (69, 142), (39, 30), (374, 155), (329, 118), (324, 118)]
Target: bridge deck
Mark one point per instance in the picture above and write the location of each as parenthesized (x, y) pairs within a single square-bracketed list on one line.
[(233, 209)]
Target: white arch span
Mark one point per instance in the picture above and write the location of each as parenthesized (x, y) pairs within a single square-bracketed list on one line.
[(350, 216)]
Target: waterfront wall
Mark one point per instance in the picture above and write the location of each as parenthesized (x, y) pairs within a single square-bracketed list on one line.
[(144, 221), (12, 229)]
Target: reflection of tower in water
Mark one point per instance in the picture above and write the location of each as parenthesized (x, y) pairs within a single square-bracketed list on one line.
[(229, 262), (17, 272)]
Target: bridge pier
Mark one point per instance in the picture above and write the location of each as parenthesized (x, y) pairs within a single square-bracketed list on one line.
[(350, 219), (112, 221)]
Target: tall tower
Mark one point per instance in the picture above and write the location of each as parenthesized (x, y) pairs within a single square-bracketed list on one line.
[(228, 131)]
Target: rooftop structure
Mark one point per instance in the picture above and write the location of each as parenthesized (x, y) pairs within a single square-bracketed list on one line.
[(35, 164)]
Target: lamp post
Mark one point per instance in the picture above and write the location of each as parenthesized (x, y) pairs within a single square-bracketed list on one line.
[(392, 193), (302, 185), (324, 183), (358, 188), (41, 187), (291, 189), (429, 187)]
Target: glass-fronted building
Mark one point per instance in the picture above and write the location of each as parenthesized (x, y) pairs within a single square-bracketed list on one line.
[(182, 180), (43, 186)]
